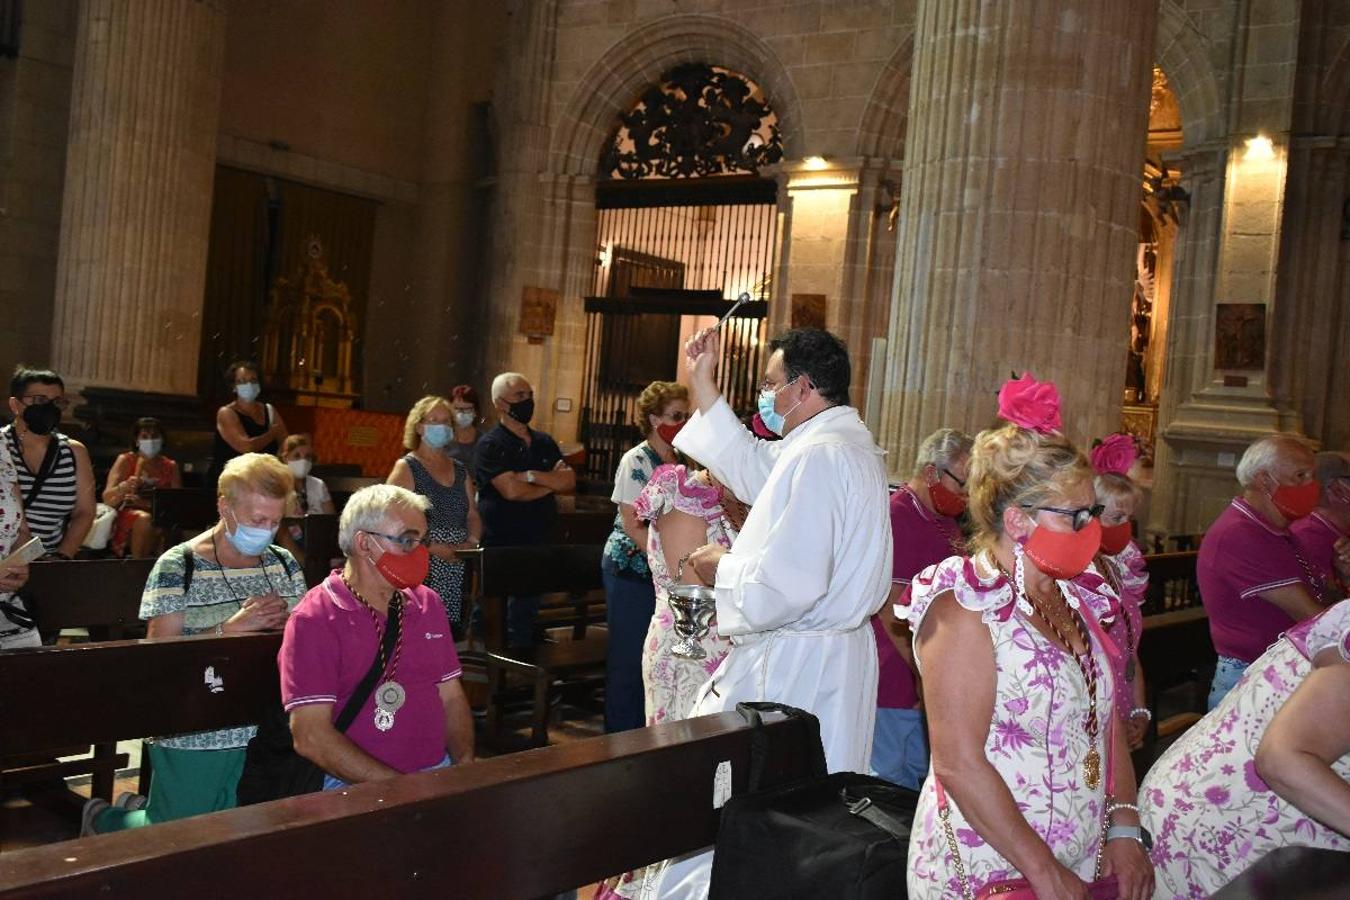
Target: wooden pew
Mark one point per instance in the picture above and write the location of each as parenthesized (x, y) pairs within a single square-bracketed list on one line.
[(55, 698), (582, 527), (321, 544), (102, 595), (1175, 648), (1292, 873), (570, 569), (527, 825)]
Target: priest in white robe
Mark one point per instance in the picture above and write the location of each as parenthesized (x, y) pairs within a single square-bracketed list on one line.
[(812, 563)]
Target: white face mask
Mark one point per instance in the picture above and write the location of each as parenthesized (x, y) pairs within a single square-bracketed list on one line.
[(300, 467), (150, 447), (464, 418)]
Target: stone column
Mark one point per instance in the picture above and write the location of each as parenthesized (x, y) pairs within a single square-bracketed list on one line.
[(135, 220), (1019, 211)]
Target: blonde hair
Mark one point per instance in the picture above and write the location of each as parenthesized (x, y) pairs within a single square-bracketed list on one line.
[(258, 473), (652, 402), (1110, 486), (1014, 467), (419, 411), (299, 439)]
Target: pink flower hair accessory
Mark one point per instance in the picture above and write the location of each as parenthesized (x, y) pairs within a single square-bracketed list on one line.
[(1030, 404), (1114, 454)]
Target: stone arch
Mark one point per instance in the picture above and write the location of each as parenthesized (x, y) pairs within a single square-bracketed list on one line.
[(611, 86), (1183, 54), (885, 120)]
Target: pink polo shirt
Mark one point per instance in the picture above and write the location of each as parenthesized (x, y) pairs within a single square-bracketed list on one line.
[(329, 644), (922, 538), (1317, 536), (1242, 555)]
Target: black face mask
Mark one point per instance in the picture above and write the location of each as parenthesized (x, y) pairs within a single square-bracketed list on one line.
[(42, 418), (522, 410)]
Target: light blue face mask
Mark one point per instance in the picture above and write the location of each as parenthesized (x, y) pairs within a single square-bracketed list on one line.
[(436, 434), (770, 416), (150, 447), (250, 540), (248, 391)]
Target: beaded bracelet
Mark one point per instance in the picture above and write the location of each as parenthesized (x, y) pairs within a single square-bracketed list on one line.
[(1113, 808), (1141, 711)]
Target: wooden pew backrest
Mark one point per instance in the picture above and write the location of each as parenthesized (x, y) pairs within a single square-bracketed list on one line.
[(56, 697), (183, 509), (86, 593), (549, 568), (1172, 583), (520, 826)]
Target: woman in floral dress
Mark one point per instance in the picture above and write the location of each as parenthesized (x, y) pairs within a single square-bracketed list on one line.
[(1269, 767), (1017, 680), (684, 511)]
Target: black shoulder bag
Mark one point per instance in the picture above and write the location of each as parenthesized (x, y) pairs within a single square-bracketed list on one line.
[(840, 835), (272, 768)]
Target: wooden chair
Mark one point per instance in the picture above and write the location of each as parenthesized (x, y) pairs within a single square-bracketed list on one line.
[(572, 570)]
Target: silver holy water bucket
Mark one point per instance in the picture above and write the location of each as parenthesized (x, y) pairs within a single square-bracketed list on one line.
[(693, 606)]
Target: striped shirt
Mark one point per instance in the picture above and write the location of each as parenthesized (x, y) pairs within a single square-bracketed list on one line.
[(49, 512), (212, 597)]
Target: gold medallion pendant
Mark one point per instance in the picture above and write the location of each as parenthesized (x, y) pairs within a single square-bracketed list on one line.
[(1092, 769)]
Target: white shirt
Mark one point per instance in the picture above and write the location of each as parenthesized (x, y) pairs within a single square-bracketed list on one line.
[(798, 587)]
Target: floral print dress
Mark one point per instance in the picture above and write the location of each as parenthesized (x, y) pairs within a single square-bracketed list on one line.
[(1126, 582), (1037, 740), (670, 682), (1211, 814)]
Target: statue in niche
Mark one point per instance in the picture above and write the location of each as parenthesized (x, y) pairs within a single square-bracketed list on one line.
[(308, 336), (1141, 320)]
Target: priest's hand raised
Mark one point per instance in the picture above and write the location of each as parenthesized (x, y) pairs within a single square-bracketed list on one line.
[(704, 562), (701, 353)]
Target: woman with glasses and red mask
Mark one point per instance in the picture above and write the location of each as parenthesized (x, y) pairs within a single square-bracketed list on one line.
[(924, 531), (1030, 787), (1121, 564), (630, 595), (56, 479)]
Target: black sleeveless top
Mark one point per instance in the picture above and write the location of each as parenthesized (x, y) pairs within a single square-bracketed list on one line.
[(223, 452)]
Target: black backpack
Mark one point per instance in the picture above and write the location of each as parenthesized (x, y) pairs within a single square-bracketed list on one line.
[(841, 835)]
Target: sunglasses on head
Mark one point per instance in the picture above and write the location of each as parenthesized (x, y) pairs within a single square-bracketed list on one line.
[(1080, 516)]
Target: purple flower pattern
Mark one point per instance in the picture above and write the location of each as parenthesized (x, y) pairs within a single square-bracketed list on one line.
[(1210, 812), (1037, 740)]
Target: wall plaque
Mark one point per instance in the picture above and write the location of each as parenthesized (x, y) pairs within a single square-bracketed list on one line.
[(808, 311), (1240, 336), (538, 312)]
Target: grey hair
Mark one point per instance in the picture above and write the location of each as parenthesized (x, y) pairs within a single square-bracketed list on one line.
[(1268, 454), (502, 383), (942, 448), (368, 508)]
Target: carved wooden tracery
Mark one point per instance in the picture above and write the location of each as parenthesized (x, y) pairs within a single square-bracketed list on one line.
[(700, 120)]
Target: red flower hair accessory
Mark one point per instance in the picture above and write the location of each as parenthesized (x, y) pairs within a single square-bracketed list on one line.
[(1031, 404), (1115, 453)]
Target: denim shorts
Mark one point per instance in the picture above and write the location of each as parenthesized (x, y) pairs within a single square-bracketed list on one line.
[(1227, 673)]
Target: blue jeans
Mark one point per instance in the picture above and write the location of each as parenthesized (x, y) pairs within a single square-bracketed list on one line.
[(1226, 675), (630, 602), (330, 783), (900, 747)]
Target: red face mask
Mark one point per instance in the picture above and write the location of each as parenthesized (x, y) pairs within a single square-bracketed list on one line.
[(404, 570), (946, 501), (1294, 501), (1115, 538), (668, 432), (1064, 554)]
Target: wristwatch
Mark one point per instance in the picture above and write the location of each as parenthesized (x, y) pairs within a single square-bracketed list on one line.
[(529, 476), (1133, 832)]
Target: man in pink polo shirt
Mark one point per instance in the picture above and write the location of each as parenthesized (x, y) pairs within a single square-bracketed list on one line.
[(925, 532), (1324, 536), (415, 715), (1254, 580)]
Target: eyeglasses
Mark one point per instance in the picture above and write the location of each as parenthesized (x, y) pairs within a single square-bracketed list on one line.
[(1080, 516), (405, 542), (767, 385), (676, 415), (44, 400), (948, 472)]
